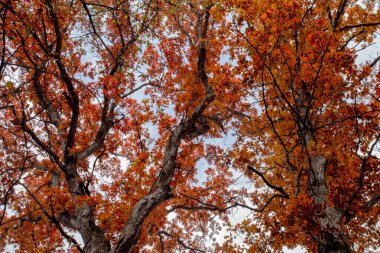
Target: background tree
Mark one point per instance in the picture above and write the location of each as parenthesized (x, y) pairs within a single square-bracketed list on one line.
[(311, 132), (103, 109)]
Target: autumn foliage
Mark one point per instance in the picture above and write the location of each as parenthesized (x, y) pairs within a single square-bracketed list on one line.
[(118, 118), (312, 123)]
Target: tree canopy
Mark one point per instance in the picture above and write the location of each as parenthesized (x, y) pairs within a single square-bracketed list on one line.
[(116, 116)]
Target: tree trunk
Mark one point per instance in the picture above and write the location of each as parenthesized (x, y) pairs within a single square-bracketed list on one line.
[(83, 220), (331, 237)]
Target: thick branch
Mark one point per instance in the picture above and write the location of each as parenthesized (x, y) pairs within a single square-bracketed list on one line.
[(161, 188), (72, 97)]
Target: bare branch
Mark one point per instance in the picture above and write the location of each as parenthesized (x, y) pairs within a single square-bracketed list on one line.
[(180, 242), (373, 201), (359, 25), (276, 188)]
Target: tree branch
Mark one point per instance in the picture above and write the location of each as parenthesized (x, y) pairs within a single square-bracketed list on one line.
[(180, 242), (276, 188), (160, 190), (359, 25)]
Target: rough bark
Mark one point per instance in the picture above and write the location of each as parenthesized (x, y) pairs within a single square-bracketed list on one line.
[(331, 237), (83, 221)]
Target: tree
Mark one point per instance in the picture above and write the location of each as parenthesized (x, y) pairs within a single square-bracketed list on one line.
[(78, 152), (311, 129), (109, 108)]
